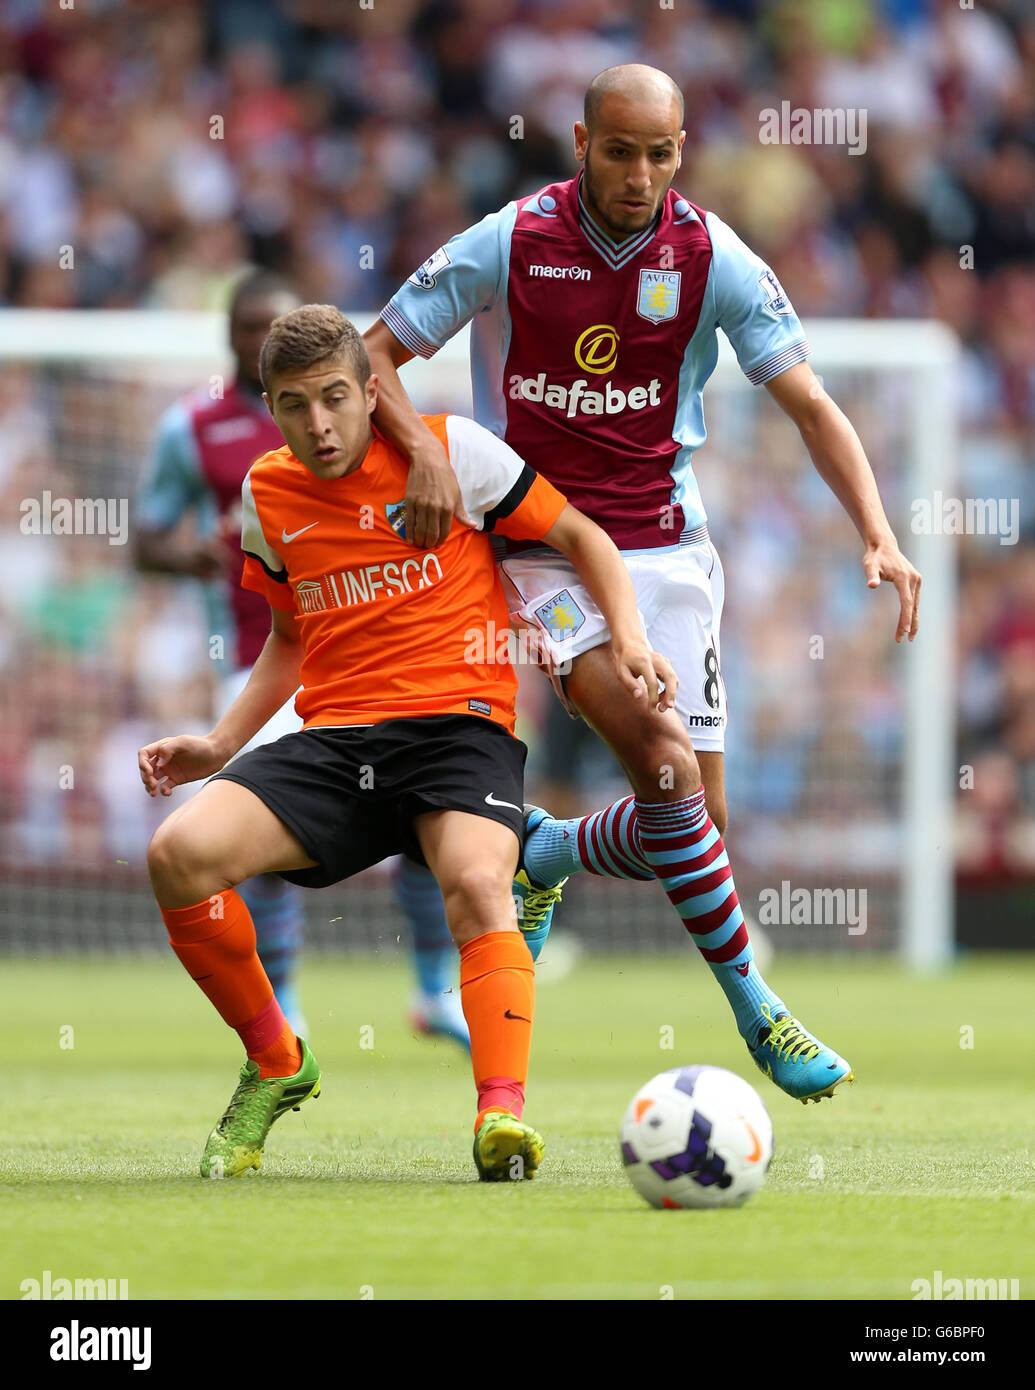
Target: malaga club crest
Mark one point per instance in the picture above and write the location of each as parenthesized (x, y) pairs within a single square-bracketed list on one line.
[(658, 298), (561, 616), (396, 514)]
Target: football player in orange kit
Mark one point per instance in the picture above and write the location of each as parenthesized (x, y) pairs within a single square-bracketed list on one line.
[(408, 741)]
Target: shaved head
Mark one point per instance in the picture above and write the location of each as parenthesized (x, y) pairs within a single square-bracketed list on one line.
[(634, 82), (630, 146)]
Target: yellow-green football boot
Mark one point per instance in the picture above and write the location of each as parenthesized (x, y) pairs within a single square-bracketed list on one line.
[(235, 1145), (506, 1149)]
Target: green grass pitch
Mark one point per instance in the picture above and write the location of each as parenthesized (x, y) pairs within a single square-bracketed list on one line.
[(925, 1164)]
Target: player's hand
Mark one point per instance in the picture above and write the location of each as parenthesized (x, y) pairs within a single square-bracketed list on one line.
[(170, 762), (643, 672), (432, 497), (885, 561), (209, 557), (229, 527)]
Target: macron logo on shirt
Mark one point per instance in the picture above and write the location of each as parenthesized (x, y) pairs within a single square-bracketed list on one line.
[(560, 272)]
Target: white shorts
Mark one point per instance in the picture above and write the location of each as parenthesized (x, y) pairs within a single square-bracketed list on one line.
[(679, 594), (285, 721)]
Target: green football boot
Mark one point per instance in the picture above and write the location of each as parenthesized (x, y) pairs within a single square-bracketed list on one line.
[(235, 1145), (506, 1149)]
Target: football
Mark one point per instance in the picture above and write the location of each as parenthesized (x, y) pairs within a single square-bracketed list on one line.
[(696, 1137)]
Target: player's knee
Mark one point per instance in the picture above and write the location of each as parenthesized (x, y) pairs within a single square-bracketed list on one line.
[(178, 855), (476, 900), (667, 767), (161, 855)]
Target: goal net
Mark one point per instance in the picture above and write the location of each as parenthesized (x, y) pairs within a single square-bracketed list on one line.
[(840, 744)]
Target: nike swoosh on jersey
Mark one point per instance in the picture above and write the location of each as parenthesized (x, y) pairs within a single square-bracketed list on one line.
[(294, 534), (490, 800)]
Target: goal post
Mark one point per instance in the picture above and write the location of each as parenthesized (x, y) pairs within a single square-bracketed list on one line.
[(907, 368)]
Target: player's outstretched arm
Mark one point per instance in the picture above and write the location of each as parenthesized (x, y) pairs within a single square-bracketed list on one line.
[(165, 552), (602, 570), (841, 462), (432, 493), (169, 762)]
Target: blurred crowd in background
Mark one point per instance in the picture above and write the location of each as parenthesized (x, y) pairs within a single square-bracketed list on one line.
[(349, 143)]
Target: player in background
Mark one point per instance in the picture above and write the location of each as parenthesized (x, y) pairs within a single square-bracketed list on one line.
[(203, 450), (593, 306), (409, 734)]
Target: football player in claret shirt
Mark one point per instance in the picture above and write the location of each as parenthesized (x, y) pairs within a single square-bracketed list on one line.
[(594, 305), (204, 447), (408, 739)]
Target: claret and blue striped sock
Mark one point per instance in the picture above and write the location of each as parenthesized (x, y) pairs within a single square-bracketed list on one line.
[(677, 843), (603, 843), (680, 841)]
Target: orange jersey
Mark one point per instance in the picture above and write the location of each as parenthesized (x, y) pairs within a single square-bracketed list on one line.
[(389, 630)]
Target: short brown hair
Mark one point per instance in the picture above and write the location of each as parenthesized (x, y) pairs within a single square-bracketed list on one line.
[(310, 335)]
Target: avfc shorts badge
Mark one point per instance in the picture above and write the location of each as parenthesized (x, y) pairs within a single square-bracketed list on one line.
[(658, 298), (396, 514), (424, 276), (775, 298), (561, 616)]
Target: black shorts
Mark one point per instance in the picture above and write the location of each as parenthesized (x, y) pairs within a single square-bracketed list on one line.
[(350, 795)]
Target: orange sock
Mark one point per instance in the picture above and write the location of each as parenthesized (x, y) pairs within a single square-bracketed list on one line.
[(215, 941), (497, 991)]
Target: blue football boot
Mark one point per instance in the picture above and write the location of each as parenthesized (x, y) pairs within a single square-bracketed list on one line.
[(535, 902), (796, 1061)]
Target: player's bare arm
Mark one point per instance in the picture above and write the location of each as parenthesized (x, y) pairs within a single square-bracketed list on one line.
[(602, 570), (432, 494), (168, 552), (169, 762), (841, 462)]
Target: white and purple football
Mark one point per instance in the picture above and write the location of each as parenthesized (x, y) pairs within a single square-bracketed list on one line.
[(696, 1137)]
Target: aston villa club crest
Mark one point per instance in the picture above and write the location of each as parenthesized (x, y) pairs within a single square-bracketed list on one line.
[(561, 616), (658, 298), (396, 514)]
